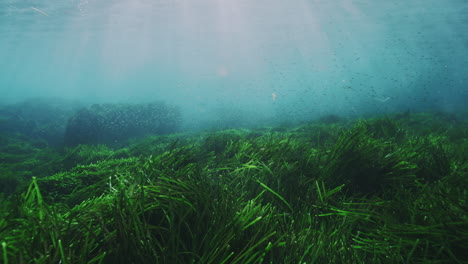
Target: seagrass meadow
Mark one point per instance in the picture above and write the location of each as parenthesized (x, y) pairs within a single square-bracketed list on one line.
[(385, 189)]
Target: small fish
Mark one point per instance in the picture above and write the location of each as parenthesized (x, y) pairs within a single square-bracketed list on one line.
[(382, 100), (40, 11), (273, 96)]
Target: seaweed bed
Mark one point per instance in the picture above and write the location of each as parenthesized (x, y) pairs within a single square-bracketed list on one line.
[(380, 190)]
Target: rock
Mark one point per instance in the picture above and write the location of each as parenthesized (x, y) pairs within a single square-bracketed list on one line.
[(38, 118), (111, 124)]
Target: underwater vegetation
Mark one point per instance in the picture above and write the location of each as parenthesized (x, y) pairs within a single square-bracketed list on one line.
[(379, 190)]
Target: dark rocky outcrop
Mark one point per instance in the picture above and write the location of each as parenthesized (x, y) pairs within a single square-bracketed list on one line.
[(113, 123), (42, 119)]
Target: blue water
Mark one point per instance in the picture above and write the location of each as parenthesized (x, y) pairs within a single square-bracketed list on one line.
[(262, 59)]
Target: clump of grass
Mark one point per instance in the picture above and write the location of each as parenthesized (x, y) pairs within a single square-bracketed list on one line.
[(367, 163)]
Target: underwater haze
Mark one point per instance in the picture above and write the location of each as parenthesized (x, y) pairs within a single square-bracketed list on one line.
[(258, 59)]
